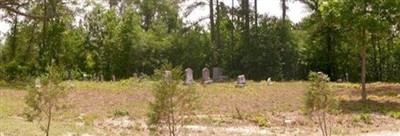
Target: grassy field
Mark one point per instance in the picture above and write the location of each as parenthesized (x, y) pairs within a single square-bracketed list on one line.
[(120, 108)]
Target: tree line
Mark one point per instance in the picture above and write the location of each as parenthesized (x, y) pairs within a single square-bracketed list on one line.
[(356, 40)]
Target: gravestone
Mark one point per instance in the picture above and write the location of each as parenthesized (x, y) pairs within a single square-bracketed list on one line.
[(168, 77), (241, 81), (206, 76), (96, 78), (101, 78), (218, 74), (269, 81), (114, 78), (85, 77), (70, 83), (38, 84), (189, 76)]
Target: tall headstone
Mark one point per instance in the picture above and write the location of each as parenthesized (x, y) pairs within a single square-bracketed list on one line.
[(189, 76), (206, 76), (85, 77), (114, 78), (168, 77), (101, 78)]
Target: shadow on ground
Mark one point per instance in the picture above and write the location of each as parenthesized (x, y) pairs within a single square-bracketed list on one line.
[(369, 106), (390, 91)]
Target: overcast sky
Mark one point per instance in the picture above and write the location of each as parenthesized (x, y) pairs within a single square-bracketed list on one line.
[(296, 11)]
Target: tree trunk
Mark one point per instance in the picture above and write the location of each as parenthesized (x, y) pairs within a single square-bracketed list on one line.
[(363, 65), (364, 57), (284, 7), (212, 20), (232, 29), (255, 15), (49, 119), (247, 22), (218, 36), (14, 33), (42, 60)]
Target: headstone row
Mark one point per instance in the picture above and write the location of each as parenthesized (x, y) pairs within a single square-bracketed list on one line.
[(206, 79)]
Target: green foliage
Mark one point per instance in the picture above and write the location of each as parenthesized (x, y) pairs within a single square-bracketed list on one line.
[(260, 120), (394, 114), (366, 117), (319, 97), (134, 36), (173, 105), (88, 119), (320, 100), (120, 113), (44, 98)]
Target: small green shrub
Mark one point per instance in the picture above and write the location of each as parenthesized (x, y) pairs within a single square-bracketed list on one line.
[(395, 114), (88, 119), (120, 113), (261, 121), (367, 118)]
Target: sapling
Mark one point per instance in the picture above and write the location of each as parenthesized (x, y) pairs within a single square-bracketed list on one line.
[(319, 100), (43, 99), (173, 105)]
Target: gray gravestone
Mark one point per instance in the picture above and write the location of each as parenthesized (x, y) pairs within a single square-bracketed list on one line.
[(206, 76), (218, 74), (168, 77), (241, 81), (101, 78), (189, 76), (38, 84), (114, 78)]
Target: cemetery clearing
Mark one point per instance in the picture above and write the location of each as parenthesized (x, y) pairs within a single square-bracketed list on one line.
[(259, 108)]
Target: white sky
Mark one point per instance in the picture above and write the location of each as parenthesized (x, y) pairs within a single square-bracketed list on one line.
[(295, 13)]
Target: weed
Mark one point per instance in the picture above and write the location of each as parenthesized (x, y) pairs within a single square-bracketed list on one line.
[(121, 113), (89, 119), (367, 118), (260, 120), (395, 114)]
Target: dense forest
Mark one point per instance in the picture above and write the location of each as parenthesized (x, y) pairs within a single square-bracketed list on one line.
[(120, 37)]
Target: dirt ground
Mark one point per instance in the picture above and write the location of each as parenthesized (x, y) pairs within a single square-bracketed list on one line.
[(260, 108)]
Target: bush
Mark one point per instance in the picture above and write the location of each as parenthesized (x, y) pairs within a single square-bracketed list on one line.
[(173, 105), (319, 100)]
